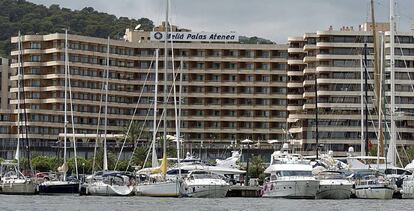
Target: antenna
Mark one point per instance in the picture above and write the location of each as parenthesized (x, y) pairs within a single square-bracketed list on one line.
[(137, 27)]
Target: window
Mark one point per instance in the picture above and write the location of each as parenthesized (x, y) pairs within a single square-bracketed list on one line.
[(35, 95), (266, 78), (200, 65), (34, 71), (35, 58), (35, 45), (250, 78), (216, 77), (216, 65), (250, 66)]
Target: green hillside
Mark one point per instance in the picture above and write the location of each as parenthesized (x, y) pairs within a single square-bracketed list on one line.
[(31, 18)]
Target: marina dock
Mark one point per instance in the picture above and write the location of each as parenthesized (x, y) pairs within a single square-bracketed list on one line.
[(244, 191)]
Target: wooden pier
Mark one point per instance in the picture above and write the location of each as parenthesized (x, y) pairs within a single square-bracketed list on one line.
[(244, 191)]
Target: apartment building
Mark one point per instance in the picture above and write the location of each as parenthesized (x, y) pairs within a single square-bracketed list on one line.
[(333, 57), (5, 121), (4, 80), (231, 91)]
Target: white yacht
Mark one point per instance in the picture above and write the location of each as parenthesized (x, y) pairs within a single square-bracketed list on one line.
[(111, 184), (203, 184), (14, 182), (156, 182), (290, 177), (153, 185), (374, 187), (407, 191), (227, 168), (333, 185)]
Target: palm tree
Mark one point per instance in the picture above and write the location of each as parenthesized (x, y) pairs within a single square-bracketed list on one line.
[(136, 132)]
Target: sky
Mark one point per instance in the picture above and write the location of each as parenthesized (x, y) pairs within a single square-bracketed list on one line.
[(271, 19)]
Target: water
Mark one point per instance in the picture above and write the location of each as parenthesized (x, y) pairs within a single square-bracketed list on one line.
[(74, 202)]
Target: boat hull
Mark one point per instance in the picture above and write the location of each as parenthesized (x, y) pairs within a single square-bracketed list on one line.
[(18, 187), (334, 190), (295, 189), (102, 189), (374, 193), (408, 189), (159, 189), (206, 191), (59, 188)]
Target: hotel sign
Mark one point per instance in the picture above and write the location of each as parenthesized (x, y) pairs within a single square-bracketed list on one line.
[(195, 36)]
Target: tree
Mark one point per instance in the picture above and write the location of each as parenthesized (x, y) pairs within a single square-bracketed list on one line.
[(256, 168), (30, 18), (138, 158), (87, 165), (137, 131), (99, 160)]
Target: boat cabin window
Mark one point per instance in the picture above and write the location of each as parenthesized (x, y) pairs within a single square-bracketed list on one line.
[(205, 176), (397, 171), (175, 172), (295, 173)]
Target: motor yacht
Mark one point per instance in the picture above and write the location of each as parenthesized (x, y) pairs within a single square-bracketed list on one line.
[(290, 177), (203, 184)]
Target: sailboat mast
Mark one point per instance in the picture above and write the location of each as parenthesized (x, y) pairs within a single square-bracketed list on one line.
[(105, 155), (19, 76), (380, 135), (366, 97), (165, 80), (65, 103), (316, 118), (180, 100), (376, 78), (362, 109), (177, 121), (393, 139), (154, 133)]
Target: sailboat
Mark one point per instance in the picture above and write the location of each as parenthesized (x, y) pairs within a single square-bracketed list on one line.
[(13, 181), (109, 183), (372, 184), (155, 182), (63, 185)]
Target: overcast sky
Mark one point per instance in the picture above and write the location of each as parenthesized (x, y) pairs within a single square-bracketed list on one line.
[(271, 19)]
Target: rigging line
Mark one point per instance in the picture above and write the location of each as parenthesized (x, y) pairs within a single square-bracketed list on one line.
[(73, 123), (366, 103), (395, 146), (25, 117), (139, 136), (412, 89), (405, 64), (135, 111), (177, 133), (19, 129), (98, 135), (161, 116)]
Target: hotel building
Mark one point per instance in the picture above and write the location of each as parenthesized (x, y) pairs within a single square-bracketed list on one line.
[(231, 91), (334, 58)]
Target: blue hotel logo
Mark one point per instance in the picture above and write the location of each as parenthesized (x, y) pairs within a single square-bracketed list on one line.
[(158, 35)]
